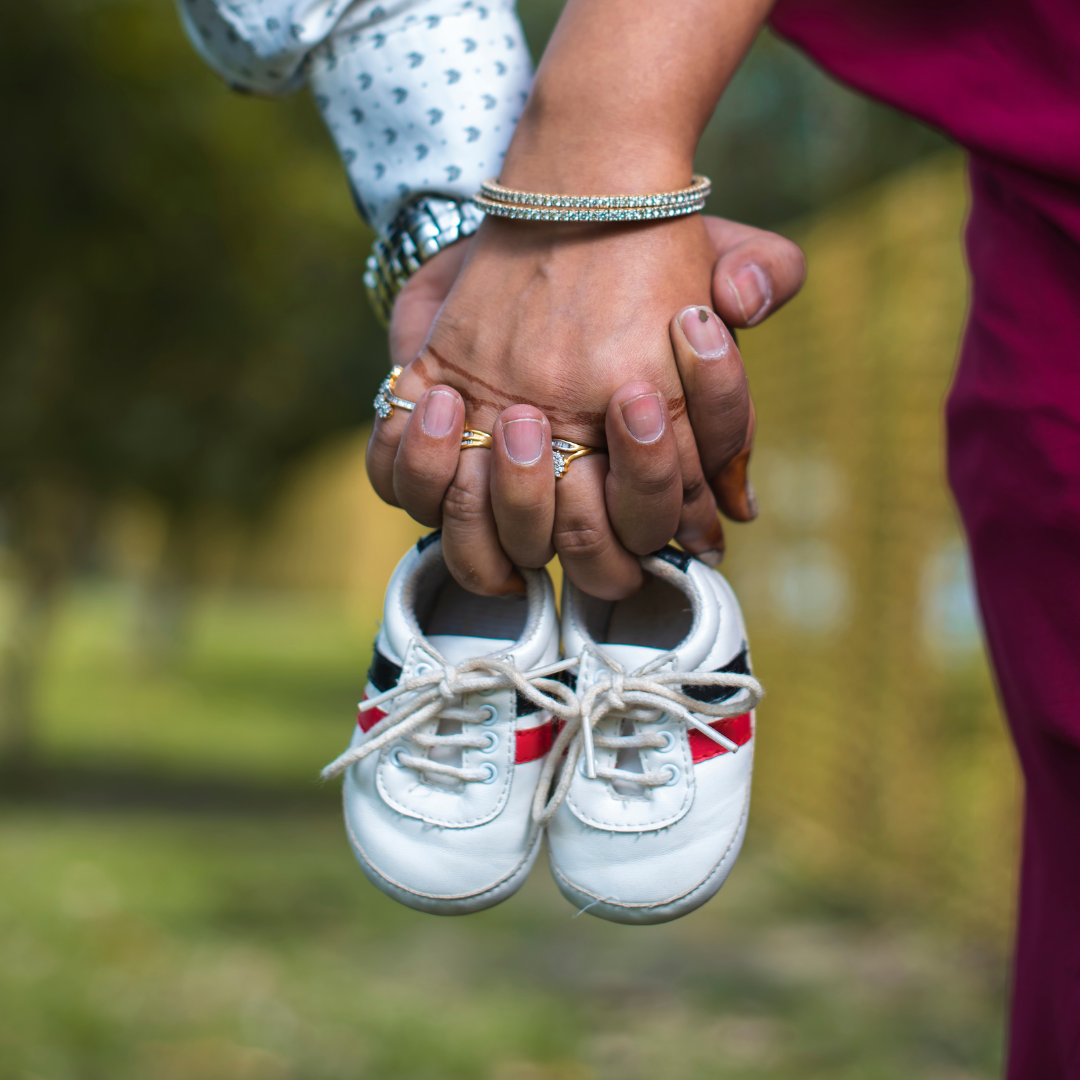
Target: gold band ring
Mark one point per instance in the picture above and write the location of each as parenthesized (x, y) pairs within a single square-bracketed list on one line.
[(471, 439)]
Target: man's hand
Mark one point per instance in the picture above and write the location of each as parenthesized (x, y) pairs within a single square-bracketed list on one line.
[(564, 331)]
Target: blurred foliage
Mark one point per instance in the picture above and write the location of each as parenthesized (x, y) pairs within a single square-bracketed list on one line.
[(181, 307), (884, 757), (180, 903), (787, 139)]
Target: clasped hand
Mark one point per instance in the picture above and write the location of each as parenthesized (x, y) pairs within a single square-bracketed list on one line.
[(533, 332)]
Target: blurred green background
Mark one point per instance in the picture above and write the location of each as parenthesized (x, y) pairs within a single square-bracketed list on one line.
[(192, 563)]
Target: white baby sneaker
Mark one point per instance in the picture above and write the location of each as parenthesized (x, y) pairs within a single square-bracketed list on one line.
[(453, 730), (650, 804)]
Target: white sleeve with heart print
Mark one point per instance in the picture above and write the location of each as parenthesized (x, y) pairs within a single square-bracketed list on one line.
[(419, 95)]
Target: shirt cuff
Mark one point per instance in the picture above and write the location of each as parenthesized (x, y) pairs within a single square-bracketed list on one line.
[(424, 101)]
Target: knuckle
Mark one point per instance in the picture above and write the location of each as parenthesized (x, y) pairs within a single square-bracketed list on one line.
[(653, 540), (463, 506), (524, 505), (581, 541), (661, 483), (694, 490)]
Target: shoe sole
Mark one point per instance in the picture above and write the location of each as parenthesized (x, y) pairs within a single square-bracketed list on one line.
[(663, 910), (464, 904)]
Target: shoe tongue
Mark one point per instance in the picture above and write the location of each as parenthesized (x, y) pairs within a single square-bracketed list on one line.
[(458, 647), (631, 657)]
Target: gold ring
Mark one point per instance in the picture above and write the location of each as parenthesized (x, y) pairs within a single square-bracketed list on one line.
[(471, 439), (563, 451)]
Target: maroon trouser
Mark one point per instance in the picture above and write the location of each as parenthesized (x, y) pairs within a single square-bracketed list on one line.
[(1014, 465)]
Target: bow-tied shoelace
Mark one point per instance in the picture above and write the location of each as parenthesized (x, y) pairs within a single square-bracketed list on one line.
[(643, 696), (437, 696)]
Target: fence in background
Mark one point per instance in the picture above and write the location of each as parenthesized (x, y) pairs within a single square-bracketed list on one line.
[(884, 764)]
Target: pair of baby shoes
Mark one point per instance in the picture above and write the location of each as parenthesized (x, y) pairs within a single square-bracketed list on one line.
[(630, 748)]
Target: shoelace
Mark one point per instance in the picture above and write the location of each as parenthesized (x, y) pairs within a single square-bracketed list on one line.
[(643, 697), (436, 693)]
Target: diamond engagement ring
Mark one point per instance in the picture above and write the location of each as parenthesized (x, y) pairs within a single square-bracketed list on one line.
[(386, 401), (564, 452)]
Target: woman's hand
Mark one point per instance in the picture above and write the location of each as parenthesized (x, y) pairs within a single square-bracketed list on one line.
[(566, 331)]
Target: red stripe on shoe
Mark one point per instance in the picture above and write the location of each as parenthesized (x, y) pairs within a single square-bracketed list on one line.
[(739, 729), (368, 718), (533, 743)]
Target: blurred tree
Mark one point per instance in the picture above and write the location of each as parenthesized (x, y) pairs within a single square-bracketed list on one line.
[(181, 310)]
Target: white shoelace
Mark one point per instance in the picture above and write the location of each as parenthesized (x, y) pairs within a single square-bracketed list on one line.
[(438, 692), (642, 697)]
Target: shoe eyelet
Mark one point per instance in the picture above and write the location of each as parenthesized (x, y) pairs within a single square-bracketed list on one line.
[(669, 744), (492, 773), (395, 757), (492, 714), (422, 669), (676, 774), (492, 743)]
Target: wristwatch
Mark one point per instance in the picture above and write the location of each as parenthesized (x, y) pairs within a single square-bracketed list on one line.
[(422, 229)]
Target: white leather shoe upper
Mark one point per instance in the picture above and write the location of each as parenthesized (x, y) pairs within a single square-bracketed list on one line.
[(650, 817), (442, 768)]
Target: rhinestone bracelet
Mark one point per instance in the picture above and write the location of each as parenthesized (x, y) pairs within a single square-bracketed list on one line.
[(530, 206)]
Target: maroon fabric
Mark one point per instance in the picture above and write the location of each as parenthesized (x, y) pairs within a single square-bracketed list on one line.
[(1003, 78)]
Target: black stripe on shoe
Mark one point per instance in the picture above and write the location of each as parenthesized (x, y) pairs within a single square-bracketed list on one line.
[(525, 707), (383, 673), (740, 665), (679, 559), (427, 541)]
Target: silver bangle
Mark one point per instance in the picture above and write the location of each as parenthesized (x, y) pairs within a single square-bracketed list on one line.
[(533, 206), (422, 229)]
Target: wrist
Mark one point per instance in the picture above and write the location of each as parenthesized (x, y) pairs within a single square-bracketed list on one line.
[(566, 149)]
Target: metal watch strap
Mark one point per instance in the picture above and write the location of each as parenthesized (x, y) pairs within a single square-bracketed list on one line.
[(422, 229)]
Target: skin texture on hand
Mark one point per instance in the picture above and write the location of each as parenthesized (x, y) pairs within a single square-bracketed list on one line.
[(571, 324), (580, 312), (556, 317)]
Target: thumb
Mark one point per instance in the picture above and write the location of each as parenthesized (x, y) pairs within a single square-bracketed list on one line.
[(718, 406), (756, 271)]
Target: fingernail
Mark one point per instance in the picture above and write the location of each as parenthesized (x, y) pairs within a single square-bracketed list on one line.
[(704, 332), (524, 440), (753, 293), (439, 413), (644, 417), (751, 500), (711, 558)]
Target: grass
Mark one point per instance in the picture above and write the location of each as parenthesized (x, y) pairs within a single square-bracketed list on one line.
[(203, 936)]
